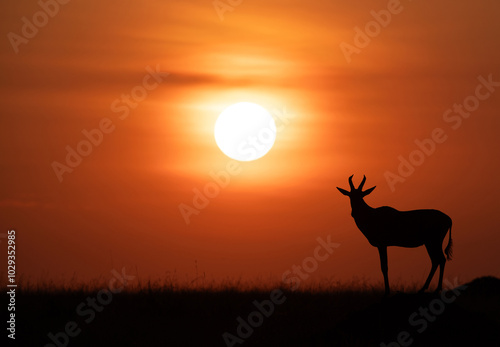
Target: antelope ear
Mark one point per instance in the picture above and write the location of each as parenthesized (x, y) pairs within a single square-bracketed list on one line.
[(368, 191), (343, 191)]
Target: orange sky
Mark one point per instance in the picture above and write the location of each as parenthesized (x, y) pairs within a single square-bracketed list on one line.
[(120, 206)]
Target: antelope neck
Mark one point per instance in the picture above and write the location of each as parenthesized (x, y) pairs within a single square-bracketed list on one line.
[(359, 207)]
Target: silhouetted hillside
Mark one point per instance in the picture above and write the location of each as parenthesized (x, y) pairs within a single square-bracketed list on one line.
[(468, 315)]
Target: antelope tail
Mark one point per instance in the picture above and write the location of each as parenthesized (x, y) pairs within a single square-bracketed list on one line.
[(449, 248)]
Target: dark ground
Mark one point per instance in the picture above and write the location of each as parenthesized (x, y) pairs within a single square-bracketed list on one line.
[(165, 317)]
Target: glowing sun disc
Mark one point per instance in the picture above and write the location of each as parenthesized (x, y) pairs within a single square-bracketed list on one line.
[(245, 131)]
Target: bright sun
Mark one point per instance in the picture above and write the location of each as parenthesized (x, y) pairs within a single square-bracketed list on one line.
[(245, 131)]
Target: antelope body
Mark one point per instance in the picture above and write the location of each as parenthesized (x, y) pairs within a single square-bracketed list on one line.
[(385, 226)]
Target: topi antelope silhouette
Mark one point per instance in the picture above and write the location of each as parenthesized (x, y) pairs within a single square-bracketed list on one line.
[(385, 226)]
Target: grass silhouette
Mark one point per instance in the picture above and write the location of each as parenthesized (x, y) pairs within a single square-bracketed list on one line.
[(327, 313)]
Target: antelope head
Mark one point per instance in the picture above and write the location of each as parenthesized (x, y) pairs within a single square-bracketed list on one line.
[(356, 195)]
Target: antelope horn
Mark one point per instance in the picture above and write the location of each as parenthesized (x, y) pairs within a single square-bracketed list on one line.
[(351, 184), (362, 183)]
